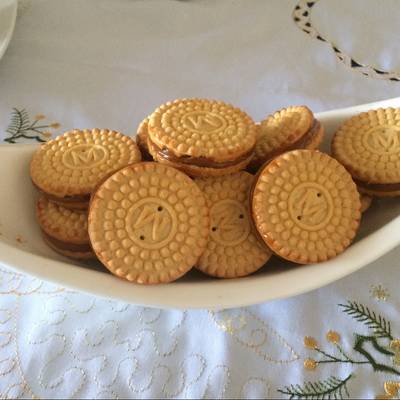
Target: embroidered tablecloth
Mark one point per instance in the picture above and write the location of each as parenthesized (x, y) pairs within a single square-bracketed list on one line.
[(108, 63)]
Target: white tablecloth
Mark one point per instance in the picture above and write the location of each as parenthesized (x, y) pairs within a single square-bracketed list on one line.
[(108, 64)]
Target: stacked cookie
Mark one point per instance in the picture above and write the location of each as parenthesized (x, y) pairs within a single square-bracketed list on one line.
[(191, 204), (66, 171), (151, 223), (305, 206), (368, 145), (200, 137)]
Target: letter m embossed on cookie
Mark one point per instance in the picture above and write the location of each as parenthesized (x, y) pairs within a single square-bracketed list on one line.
[(390, 141), (151, 223), (383, 139), (203, 121), (310, 206), (229, 222), (84, 156), (159, 223)]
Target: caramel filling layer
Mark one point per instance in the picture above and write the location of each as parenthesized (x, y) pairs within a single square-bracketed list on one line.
[(197, 161), (67, 199), (81, 248), (380, 187)]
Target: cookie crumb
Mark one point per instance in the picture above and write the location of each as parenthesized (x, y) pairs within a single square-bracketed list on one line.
[(20, 239)]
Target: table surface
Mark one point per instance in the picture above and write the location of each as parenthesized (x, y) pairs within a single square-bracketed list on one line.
[(108, 64)]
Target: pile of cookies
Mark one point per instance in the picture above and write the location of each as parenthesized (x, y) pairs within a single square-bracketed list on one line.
[(204, 186)]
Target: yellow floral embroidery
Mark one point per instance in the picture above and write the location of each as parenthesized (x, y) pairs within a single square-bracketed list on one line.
[(395, 346), (333, 337), (379, 292), (38, 117), (310, 342), (310, 364)]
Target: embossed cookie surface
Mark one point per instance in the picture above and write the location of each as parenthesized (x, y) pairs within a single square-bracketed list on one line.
[(202, 128), (65, 230), (305, 206), (232, 250), (148, 223), (281, 130), (75, 162), (368, 145)]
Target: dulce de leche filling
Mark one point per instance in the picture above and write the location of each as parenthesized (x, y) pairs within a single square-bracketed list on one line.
[(304, 141), (66, 199), (380, 187), (74, 247), (197, 161)]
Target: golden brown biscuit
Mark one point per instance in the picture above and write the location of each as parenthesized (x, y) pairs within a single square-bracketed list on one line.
[(288, 129), (148, 223), (67, 169), (200, 136), (305, 206), (64, 230), (368, 145), (233, 250)]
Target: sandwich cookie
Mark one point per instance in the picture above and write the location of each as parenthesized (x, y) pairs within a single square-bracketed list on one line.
[(201, 137), (141, 140), (233, 250), (306, 206), (368, 145), (68, 168), (288, 129), (64, 230), (148, 223)]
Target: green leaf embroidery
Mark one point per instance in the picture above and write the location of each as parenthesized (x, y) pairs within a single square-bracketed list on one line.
[(20, 126), (358, 346), (380, 327), (19, 122), (325, 389)]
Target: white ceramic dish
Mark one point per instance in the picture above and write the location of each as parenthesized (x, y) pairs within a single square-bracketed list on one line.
[(8, 14), (22, 248)]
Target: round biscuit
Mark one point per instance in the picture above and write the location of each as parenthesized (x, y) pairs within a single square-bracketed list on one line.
[(306, 206), (368, 145), (313, 143), (233, 250), (61, 223), (280, 130), (148, 223), (202, 128), (72, 164)]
